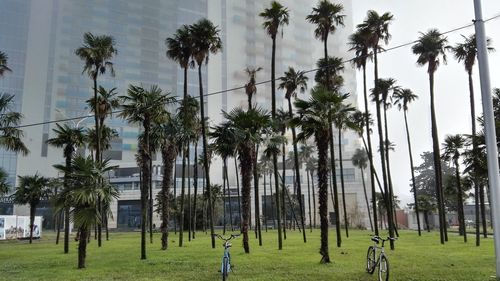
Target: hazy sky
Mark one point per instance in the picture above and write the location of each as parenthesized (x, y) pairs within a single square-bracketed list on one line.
[(451, 84)]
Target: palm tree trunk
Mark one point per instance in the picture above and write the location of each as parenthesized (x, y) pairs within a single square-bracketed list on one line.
[(246, 178), (229, 196), (32, 221), (412, 173), (389, 177), (314, 198), (335, 189), (283, 188), (183, 192), (189, 192), (168, 156), (98, 149), (150, 215), (369, 151), (309, 200), (255, 152), (426, 220), (437, 163), (298, 181), (240, 214), (59, 219), (66, 229), (146, 173), (205, 157), (264, 211), (346, 222), (382, 157), (275, 156), (195, 183), (483, 211), (366, 198), (474, 149), (224, 195), (175, 194), (82, 247), (272, 198), (461, 215), (322, 144)]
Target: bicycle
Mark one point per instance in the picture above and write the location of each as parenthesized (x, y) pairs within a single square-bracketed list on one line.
[(226, 258), (381, 260)]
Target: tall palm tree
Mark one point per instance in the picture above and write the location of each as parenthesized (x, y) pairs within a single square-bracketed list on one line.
[(3, 64), (243, 130), (466, 52), (69, 139), (206, 40), (453, 146), (250, 87), (327, 17), (85, 195), (96, 52), (359, 43), (359, 159), (168, 133), (291, 82), (144, 106), (402, 98), (376, 28), (274, 17), (31, 190), (430, 48), (10, 135), (314, 119)]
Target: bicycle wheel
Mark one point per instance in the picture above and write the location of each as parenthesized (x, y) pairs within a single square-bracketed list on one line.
[(383, 269), (225, 268), (370, 260)]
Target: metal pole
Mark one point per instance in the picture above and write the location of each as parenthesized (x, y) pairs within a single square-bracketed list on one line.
[(489, 124)]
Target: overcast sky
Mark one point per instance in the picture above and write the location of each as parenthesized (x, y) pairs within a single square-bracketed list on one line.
[(451, 84)]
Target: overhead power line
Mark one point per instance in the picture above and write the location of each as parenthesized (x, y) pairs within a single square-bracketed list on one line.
[(269, 80)]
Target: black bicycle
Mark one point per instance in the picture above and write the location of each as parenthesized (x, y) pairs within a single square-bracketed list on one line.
[(381, 261), (226, 258)]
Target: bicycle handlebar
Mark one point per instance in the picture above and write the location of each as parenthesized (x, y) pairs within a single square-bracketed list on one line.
[(377, 239), (226, 239)]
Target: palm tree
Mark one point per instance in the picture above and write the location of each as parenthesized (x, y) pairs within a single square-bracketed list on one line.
[(280, 124), (3, 64), (31, 190), (328, 72), (250, 87), (359, 159), (314, 119), (96, 52), (293, 81), (85, 195), (144, 106), (206, 40), (275, 17), (243, 130), (376, 28), (69, 139), (402, 98), (4, 185), (453, 146), (10, 135), (430, 47), (360, 45), (326, 16), (168, 133), (466, 52)]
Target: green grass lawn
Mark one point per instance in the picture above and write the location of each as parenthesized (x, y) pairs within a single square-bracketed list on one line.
[(415, 258)]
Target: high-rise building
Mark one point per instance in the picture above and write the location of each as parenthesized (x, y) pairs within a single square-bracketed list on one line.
[(41, 37)]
